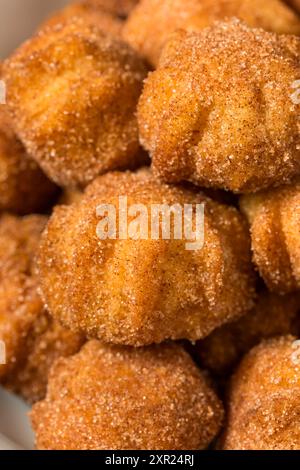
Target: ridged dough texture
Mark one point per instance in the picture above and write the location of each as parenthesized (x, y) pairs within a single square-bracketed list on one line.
[(138, 292), (274, 218), (209, 113)]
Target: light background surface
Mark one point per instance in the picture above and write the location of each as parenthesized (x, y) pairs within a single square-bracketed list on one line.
[(20, 18), (15, 430)]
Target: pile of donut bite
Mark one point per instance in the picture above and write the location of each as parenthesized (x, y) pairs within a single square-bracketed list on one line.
[(134, 343)]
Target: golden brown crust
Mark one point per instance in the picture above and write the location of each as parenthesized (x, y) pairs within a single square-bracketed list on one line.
[(151, 23), (46, 341), (264, 399), (209, 113), (31, 338), (92, 14), (20, 303), (73, 91), (274, 315), (274, 218), (121, 8), (138, 292), (24, 188), (124, 398)]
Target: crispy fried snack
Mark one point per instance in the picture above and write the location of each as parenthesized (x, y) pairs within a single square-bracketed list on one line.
[(274, 315), (73, 91), (264, 399), (88, 12), (24, 188), (124, 398), (210, 113), (121, 8), (151, 23), (46, 341), (31, 338), (274, 217), (138, 291)]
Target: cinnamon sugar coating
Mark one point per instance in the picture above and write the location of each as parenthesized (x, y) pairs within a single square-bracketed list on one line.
[(23, 186), (264, 399), (109, 397), (72, 92), (210, 113), (143, 291), (274, 218), (46, 341), (151, 23), (273, 315), (32, 339)]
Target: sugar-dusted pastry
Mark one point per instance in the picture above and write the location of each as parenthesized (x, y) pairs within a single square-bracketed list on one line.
[(126, 284), (274, 218), (151, 23), (264, 399), (122, 398), (72, 91), (220, 110)]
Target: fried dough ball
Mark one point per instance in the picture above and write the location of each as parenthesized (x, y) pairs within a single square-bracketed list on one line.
[(31, 338), (274, 315), (89, 13), (264, 399), (46, 342), (151, 23), (209, 114), (274, 217), (120, 8), (23, 186), (109, 397), (73, 91), (137, 291)]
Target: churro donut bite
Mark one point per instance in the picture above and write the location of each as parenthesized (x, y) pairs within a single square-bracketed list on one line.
[(24, 188), (86, 12), (122, 398), (32, 340), (132, 285), (274, 217), (121, 8), (274, 315), (73, 92), (152, 21), (264, 399), (209, 113), (46, 342)]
